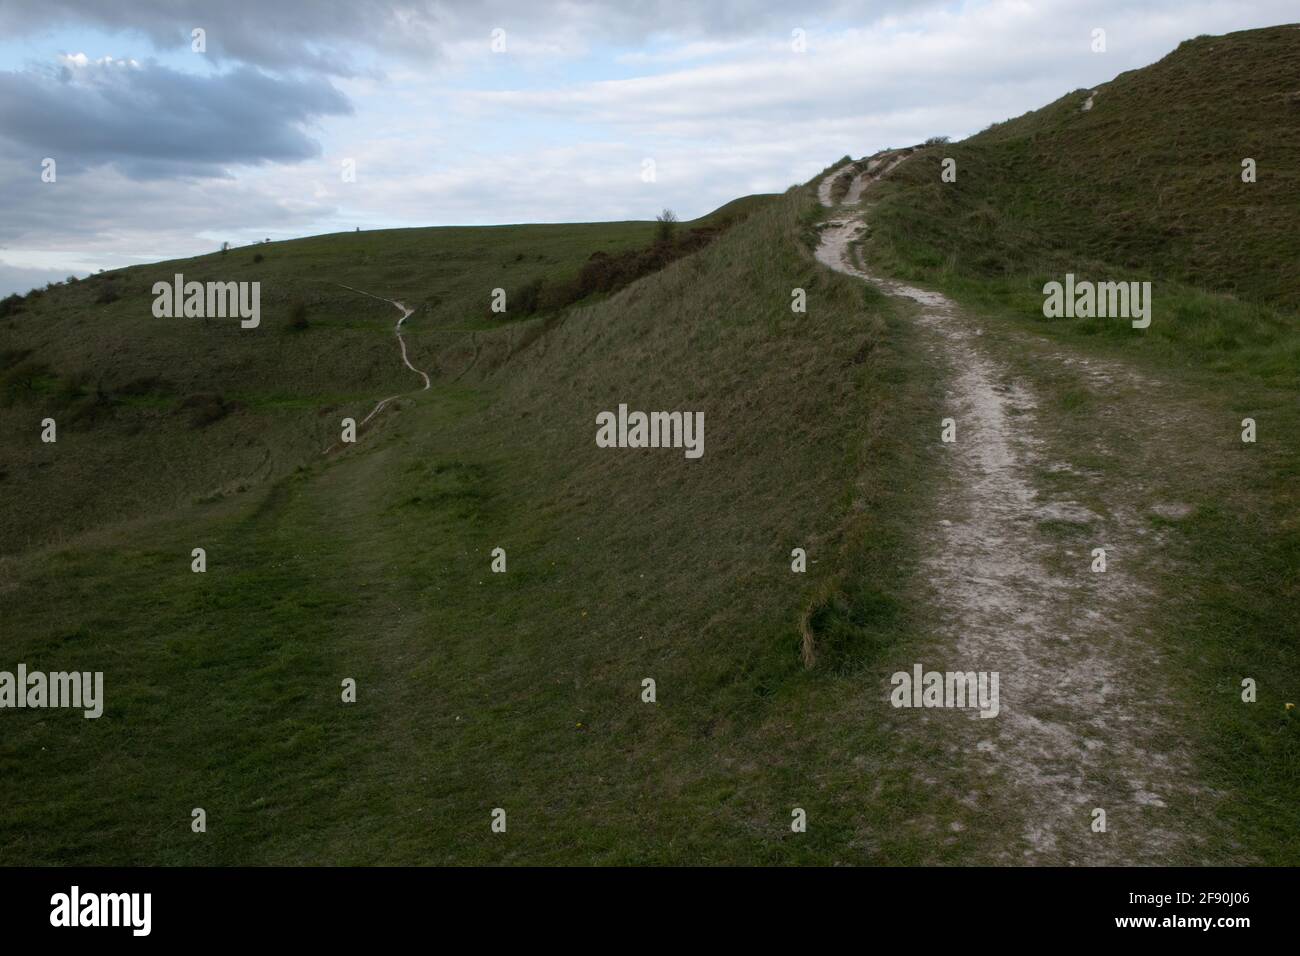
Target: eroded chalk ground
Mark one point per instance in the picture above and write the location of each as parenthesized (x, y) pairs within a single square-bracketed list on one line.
[(1086, 720)]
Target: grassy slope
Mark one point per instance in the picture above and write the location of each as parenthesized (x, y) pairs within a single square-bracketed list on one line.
[(292, 386), (520, 690), (1147, 185), (1147, 180)]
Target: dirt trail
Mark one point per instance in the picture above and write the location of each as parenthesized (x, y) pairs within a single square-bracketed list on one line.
[(397, 329), (824, 187), (876, 169), (1080, 725)]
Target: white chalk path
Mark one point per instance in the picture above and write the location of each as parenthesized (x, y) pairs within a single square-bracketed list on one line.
[(397, 330), (1075, 732)]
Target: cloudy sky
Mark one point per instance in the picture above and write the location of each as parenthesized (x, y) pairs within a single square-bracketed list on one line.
[(497, 111)]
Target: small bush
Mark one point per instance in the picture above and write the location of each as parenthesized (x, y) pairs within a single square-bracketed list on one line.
[(558, 295), (298, 315), (108, 294), (257, 257), (665, 227), (605, 273), (525, 299)]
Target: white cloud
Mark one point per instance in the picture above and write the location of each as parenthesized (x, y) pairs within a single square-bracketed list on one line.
[(556, 128)]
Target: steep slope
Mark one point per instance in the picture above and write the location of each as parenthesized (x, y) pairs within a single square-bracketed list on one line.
[(524, 689), (1146, 185), (216, 409), (1147, 180)]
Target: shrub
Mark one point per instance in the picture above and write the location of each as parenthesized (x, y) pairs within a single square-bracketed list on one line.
[(107, 295), (298, 315), (257, 257), (665, 227), (525, 299), (603, 272), (558, 295), (11, 305)]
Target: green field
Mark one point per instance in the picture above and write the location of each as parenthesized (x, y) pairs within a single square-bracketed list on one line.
[(523, 690), (476, 690)]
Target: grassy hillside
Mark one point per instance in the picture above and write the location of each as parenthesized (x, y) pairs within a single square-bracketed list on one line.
[(1144, 185), (220, 409), (1147, 179), (1147, 185), (519, 690), (523, 690)]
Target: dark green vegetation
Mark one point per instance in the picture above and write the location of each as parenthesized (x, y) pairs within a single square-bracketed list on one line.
[(1147, 185), (1148, 180), (523, 690), (606, 272), (91, 355), (476, 690)]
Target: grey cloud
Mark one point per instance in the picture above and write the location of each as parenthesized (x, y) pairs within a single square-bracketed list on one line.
[(750, 119), (96, 210), (317, 36), (154, 122), (17, 279), (106, 220)]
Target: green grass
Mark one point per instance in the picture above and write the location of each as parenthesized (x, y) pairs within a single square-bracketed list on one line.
[(522, 690), (1148, 180), (1146, 186), (292, 386)]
